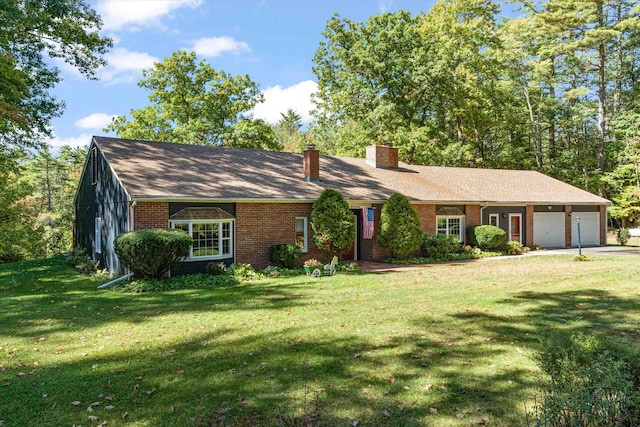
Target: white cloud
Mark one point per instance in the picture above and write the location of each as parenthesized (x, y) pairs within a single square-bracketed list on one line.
[(216, 46), (94, 121), (117, 14), (125, 66), (278, 100), (81, 140), (384, 5)]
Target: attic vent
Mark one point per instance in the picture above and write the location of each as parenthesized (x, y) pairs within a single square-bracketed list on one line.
[(200, 213), (449, 211)]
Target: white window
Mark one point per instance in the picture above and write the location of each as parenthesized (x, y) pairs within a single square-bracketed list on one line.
[(212, 239), (494, 219), (301, 233), (451, 226)]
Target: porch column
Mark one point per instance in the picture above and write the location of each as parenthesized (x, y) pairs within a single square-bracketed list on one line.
[(568, 209), (528, 226)]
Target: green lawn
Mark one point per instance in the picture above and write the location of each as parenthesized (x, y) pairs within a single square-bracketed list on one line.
[(445, 345)]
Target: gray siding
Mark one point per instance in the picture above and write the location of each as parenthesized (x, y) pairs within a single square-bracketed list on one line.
[(105, 199)]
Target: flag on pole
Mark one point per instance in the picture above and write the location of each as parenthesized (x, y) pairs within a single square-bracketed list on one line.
[(367, 223)]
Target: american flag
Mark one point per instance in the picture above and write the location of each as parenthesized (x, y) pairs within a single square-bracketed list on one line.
[(367, 223)]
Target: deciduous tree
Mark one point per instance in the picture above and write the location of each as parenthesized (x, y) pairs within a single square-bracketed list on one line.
[(192, 103)]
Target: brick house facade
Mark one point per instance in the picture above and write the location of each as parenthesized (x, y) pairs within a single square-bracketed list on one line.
[(252, 199)]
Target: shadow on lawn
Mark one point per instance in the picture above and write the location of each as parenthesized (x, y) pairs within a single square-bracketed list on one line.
[(448, 363), (45, 307)]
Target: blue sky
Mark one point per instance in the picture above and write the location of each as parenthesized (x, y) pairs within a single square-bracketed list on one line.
[(272, 41)]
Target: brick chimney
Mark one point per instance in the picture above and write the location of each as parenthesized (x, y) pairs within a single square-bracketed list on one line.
[(311, 164), (382, 156)]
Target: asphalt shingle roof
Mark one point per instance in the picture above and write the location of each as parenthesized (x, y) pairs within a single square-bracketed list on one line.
[(177, 171)]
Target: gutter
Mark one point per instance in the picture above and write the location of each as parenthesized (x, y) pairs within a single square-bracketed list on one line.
[(119, 279)]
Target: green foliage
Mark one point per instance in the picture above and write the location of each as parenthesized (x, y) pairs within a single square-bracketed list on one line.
[(486, 236), (152, 253), (439, 247), (622, 236), (592, 381), (332, 223), (513, 247), (216, 268), (285, 255), (400, 230), (243, 272), (192, 103), (32, 32), (187, 281), (80, 261)]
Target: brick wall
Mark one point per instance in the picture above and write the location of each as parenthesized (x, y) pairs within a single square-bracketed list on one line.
[(260, 225), (567, 225), (427, 216), (150, 215), (603, 225), (529, 225), (472, 216)]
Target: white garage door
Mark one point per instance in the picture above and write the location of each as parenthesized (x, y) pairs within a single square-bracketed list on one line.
[(548, 229), (589, 228)]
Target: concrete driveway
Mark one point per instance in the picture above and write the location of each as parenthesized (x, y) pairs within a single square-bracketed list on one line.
[(592, 250)]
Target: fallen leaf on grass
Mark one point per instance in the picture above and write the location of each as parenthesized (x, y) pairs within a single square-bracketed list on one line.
[(242, 400), (76, 403), (459, 415), (179, 371), (433, 410), (93, 418), (386, 413), (124, 414), (110, 397), (391, 380), (108, 407)]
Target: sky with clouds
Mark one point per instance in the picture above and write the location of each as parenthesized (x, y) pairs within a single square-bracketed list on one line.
[(272, 41)]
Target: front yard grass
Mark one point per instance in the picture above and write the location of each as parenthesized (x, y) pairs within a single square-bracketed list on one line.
[(443, 345)]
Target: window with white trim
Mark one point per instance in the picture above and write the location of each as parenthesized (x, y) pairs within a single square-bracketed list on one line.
[(494, 220), (212, 239), (450, 226), (301, 234)]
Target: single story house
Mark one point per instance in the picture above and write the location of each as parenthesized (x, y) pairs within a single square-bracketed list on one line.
[(237, 202)]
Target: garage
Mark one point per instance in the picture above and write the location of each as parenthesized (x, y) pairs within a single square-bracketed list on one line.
[(589, 228), (548, 229)]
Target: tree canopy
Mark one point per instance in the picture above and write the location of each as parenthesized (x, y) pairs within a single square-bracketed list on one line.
[(31, 32), (192, 103), (554, 89)]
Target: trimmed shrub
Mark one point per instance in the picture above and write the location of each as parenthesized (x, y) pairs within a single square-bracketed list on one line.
[(622, 236), (151, 253), (514, 248), (486, 236), (285, 255), (439, 247), (215, 268), (332, 223), (592, 381), (400, 230)]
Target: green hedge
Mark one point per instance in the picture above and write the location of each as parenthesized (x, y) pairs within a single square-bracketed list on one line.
[(439, 247), (285, 255), (486, 236), (152, 253)]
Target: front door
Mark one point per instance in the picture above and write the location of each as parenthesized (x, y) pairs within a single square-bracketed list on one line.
[(515, 227)]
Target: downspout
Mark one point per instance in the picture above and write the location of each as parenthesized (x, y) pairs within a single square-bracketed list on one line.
[(486, 205), (119, 279)]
